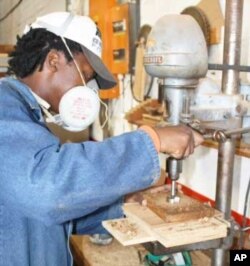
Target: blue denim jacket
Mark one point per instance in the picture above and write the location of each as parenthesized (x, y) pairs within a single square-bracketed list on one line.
[(45, 184)]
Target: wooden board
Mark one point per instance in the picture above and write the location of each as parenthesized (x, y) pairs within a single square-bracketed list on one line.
[(140, 73), (148, 226), (184, 233), (187, 209), (127, 232), (88, 254)]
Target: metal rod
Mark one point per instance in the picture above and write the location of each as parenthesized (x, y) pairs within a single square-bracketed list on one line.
[(230, 86), (226, 67), (232, 46), (237, 131), (219, 135), (226, 153), (173, 188)]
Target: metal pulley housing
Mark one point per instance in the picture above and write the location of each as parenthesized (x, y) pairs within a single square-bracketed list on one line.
[(176, 51)]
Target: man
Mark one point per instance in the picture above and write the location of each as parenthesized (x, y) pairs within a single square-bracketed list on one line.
[(49, 189)]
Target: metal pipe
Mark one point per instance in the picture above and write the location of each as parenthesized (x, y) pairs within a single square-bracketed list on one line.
[(230, 86), (226, 153), (232, 45), (174, 100), (220, 135), (226, 67)]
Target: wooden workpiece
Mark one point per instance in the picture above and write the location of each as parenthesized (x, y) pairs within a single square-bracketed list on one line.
[(172, 225), (187, 208)]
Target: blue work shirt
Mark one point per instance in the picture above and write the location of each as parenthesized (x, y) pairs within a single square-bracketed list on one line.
[(46, 186)]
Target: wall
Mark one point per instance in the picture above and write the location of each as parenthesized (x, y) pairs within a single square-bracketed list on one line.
[(25, 13)]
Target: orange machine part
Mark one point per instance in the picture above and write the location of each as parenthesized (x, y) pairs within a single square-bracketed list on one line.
[(99, 11), (120, 39)]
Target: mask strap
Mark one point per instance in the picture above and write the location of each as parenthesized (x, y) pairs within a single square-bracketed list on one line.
[(84, 83), (106, 113), (44, 106), (77, 67)]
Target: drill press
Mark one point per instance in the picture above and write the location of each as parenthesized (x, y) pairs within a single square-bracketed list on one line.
[(179, 62)]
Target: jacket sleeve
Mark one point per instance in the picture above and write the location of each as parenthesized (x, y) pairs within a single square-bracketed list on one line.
[(55, 183)]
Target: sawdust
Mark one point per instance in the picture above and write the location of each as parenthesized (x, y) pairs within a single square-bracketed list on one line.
[(125, 227)]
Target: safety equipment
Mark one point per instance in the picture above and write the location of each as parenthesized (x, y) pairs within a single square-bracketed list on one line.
[(84, 31), (78, 108)]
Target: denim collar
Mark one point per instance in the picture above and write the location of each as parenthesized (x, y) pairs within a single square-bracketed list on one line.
[(23, 90), (26, 93)]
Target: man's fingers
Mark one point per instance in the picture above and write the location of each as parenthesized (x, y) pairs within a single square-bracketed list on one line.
[(198, 138)]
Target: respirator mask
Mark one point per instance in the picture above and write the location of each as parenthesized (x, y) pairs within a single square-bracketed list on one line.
[(79, 107)]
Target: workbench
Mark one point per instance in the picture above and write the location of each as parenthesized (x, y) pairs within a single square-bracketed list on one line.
[(86, 253)]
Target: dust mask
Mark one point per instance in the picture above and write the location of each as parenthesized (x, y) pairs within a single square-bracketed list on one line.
[(78, 107)]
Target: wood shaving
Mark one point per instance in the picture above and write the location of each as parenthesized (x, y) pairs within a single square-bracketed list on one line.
[(144, 202), (125, 227)]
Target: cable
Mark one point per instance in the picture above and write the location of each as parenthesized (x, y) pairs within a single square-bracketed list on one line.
[(149, 88), (11, 10), (132, 90)]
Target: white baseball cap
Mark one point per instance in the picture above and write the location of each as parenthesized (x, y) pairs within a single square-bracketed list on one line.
[(84, 31)]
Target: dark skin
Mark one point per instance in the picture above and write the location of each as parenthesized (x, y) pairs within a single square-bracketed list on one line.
[(58, 76)]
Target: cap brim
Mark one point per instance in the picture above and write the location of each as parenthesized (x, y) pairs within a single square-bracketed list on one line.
[(104, 78)]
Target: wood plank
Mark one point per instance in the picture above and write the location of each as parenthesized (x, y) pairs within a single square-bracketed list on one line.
[(140, 73), (5, 49), (127, 232), (200, 258), (186, 209), (88, 254), (139, 212), (177, 233)]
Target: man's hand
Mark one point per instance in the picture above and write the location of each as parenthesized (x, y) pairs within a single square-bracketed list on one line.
[(178, 141)]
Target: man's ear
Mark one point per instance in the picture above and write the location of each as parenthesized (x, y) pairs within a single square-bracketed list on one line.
[(52, 60)]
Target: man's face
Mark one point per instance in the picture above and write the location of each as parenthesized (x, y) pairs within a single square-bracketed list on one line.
[(67, 76)]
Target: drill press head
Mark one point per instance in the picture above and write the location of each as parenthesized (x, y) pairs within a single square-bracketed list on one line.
[(176, 51)]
